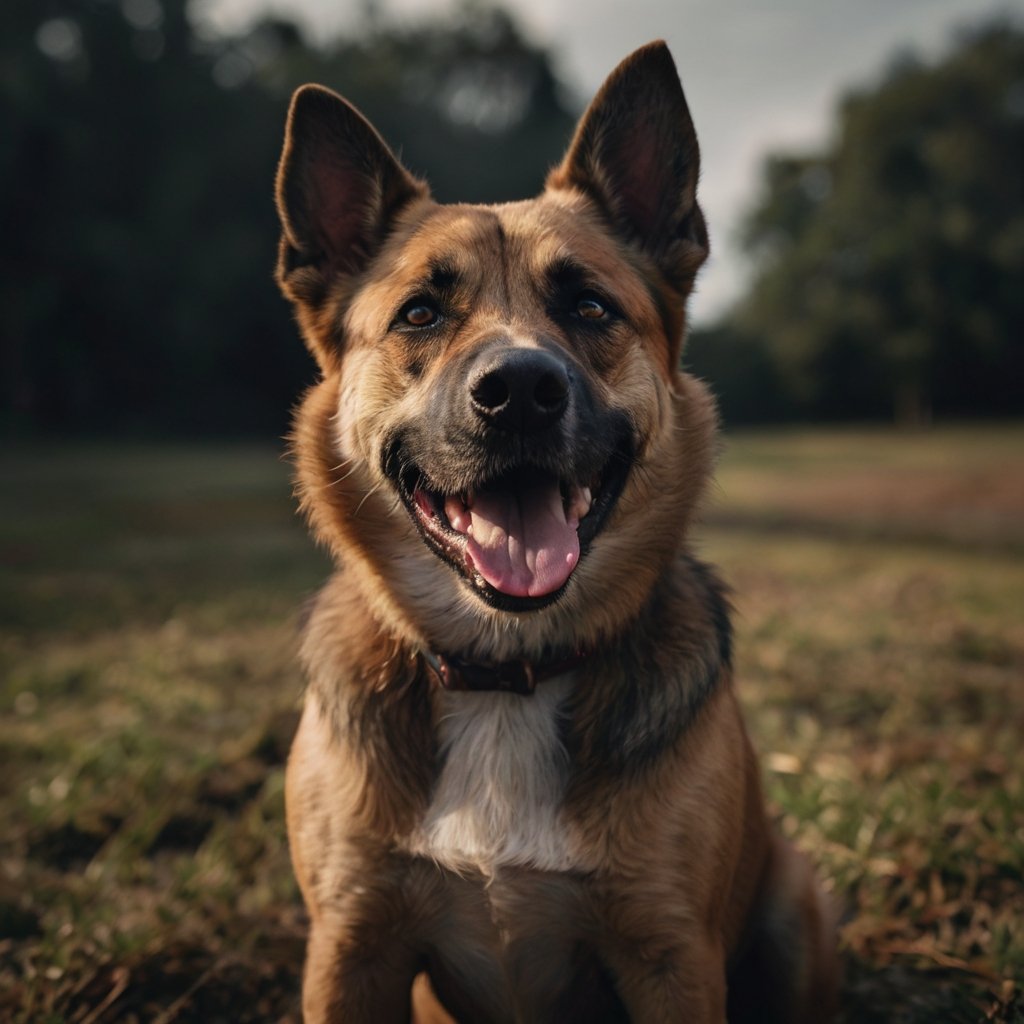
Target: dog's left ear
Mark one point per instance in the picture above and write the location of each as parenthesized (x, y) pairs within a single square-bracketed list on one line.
[(635, 152)]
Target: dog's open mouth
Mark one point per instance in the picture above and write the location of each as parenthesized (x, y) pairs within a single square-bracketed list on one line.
[(517, 538), (519, 535)]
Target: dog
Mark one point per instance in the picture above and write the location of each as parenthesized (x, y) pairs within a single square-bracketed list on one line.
[(521, 788)]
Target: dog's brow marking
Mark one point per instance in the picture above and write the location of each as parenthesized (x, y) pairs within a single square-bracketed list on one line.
[(567, 269), (444, 274)]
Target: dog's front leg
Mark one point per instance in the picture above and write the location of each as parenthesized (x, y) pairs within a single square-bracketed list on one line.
[(684, 983), (354, 984)]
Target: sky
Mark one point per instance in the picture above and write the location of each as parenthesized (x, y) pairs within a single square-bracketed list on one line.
[(758, 76)]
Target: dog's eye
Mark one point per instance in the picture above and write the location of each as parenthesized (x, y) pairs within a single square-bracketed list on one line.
[(590, 307), (420, 314)]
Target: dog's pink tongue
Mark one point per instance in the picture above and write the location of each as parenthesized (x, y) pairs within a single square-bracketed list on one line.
[(521, 541)]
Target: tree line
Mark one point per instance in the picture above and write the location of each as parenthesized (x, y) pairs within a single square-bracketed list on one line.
[(136, 167), (889, 279)]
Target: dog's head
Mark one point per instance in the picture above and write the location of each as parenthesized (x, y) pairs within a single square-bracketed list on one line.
[(502, 449)]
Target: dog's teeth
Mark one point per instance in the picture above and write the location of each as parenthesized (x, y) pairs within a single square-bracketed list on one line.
[(580, 503), (457, 513), (422, 499)]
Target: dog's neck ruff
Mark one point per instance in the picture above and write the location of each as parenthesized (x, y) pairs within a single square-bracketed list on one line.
[(518, 676)]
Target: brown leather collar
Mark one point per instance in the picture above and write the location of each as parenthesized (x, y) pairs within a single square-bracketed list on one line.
[(520, 677)]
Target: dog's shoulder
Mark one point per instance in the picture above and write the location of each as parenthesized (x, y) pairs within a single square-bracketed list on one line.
[(375, 697)]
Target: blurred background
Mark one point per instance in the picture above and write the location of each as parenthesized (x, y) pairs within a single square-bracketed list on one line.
[(862, 178), (860, 321)]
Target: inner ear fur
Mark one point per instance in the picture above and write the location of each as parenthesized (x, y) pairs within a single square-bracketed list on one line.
[(339, 187), (635, 154)]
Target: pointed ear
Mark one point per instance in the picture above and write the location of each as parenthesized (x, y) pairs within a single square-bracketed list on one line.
[(339, 188), (635, 153)]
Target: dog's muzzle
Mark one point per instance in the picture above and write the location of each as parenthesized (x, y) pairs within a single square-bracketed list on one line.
[(511, 472)]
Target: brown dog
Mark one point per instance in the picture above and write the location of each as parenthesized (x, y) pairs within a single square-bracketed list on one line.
[(521, 771)]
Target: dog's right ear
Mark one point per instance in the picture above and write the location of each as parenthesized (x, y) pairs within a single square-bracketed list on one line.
[(338, 189)]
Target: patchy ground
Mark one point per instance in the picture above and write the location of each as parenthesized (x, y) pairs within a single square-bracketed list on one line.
[(148, 691)]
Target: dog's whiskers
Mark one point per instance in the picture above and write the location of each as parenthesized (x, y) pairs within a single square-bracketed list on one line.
[(342, 479), (366, 497)]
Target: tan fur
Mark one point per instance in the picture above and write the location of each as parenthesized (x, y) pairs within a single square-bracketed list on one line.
[(600, 850)]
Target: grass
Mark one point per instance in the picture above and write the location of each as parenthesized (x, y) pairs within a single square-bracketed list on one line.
[(148, 690)]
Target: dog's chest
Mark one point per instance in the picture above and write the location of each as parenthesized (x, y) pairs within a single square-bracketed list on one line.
[(498, 798)]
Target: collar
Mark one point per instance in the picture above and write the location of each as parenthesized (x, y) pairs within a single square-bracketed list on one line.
[(519, 677)]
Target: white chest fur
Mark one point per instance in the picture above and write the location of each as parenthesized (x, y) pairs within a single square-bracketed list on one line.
[(498, 799)]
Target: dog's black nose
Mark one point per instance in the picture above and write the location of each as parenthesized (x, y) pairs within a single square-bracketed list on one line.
[(522, 390)]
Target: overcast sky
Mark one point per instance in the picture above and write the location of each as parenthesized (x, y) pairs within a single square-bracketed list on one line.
[(758, 76)]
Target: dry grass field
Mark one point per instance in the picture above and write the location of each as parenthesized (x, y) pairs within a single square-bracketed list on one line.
[(148, 690)]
